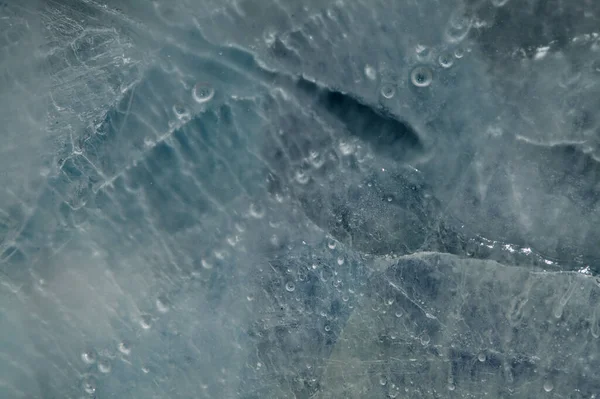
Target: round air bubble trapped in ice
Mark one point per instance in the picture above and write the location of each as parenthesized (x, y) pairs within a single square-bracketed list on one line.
[(203, 93), (421, 76)]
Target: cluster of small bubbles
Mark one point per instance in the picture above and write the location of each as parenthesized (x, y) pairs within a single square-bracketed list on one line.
[(88, 357), (459, 52), (180, 111), (423, 52), (202, 93), (290, 286), (388, 90), (145, 321), (421, 76), (162, 304), (370, 72), (124, 348), (256, 211), (481, 357), (104, 366), (548, 386), (445, 60)]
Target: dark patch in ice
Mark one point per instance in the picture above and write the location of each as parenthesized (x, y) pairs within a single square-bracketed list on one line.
[(388, 135)]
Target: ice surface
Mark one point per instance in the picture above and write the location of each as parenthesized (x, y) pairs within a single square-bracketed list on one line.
[(299, 199)]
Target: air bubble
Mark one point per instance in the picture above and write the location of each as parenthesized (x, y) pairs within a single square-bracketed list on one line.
[(331, 244), (203, 93), (388, 91), (162, 304), (370, 72), (346, 148), (166, 13), (382, 381), (398, 314), (290, 287), (458, 27), (421, 76), (340, 261), (146, 321), (205, 264), (425, 339), (250, 298), (269, 37), (180, 111), (423, 52), (481, 357), (327, 328), (89, 386), (451, 386), (124, 348), (316, 159), (548, 386), (459, 52), (256, 211), (499, 3), (88, 357), (104, 366), (301, 177), (445, 60)]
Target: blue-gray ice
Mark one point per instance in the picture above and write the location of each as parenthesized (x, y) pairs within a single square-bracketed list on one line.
[(299, 199)]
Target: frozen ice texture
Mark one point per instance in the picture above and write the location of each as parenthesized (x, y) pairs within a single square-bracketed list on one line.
[(279, 199)]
